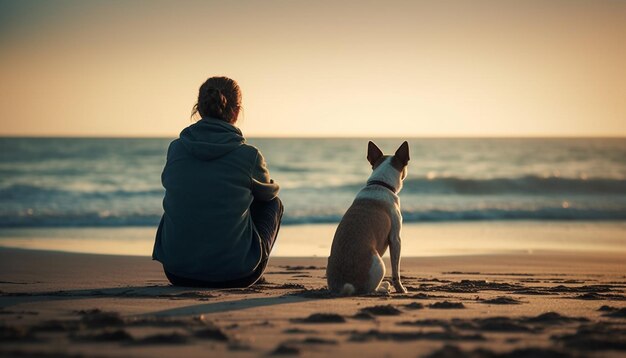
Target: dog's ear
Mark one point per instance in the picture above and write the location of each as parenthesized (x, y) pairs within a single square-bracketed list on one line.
[(403, 153), (373, 153)]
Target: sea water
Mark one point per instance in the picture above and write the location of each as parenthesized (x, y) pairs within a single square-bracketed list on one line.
[(94, 182)]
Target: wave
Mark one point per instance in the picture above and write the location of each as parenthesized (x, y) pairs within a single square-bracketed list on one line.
[(23, 192), (481, 215), (501, 214), (444, 199), (290, 169), (93, 219), (97, 219), (526, 185)]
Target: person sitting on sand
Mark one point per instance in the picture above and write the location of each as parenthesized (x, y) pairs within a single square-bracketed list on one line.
[(221, 209)]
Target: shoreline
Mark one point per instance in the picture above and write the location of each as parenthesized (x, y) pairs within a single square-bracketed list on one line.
[(547, 304), (418, 239)]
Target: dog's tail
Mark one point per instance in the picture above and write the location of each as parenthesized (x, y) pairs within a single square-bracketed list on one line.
[(347, 290), (384, 287)]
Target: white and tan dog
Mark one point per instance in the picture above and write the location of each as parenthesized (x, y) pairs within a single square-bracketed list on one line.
[(372, 223)]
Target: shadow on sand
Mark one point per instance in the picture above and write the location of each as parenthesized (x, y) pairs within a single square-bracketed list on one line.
[(164, 292), (225, 306)]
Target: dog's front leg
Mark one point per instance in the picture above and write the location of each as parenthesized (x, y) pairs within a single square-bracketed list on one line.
[(394, 250)]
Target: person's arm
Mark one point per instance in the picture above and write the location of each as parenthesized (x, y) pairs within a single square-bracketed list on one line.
[(263, 187)]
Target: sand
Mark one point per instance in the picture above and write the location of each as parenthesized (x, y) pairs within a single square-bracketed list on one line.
[(418, 239), (539, 304)]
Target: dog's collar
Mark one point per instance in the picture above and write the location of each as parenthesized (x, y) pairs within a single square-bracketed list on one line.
[(381, 183)]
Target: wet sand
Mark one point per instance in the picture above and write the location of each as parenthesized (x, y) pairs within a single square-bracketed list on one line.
[(418, 239), (545, 303)]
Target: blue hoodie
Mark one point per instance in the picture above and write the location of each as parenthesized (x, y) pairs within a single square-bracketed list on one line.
[(210, 179)]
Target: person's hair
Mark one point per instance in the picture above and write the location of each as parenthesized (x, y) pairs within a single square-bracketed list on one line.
[(219, 97)]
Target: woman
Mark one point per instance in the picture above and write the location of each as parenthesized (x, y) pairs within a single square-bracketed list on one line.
[(221, 209)]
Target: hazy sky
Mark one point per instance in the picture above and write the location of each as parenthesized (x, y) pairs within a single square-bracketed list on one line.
[(311, 68)]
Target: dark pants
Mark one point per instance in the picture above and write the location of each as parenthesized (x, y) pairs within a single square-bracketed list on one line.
[(266, 217)]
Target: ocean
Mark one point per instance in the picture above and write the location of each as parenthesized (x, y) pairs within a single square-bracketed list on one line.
[(87, 182)]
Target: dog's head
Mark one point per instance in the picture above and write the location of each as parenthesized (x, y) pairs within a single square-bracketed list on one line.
[(387, 165)]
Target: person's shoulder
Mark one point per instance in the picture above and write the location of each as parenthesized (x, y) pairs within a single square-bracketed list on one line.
[(175, 150), (174, 145), (250, 147), (250, 150), (253, 156)]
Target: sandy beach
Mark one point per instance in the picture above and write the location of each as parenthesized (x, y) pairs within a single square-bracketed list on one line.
[(483, 142), (545, 303)]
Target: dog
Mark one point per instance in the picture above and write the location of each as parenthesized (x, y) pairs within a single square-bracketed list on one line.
[(372, 223)]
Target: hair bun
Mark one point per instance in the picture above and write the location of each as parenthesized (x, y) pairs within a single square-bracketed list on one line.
[(217, 101), (219, 97)]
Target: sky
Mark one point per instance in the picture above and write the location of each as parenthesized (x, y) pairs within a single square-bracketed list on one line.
[(316, 68)]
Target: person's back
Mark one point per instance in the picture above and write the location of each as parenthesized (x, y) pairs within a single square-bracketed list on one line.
[(221, 213)]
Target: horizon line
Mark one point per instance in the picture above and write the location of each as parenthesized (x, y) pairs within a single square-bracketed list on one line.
[(425, 136)]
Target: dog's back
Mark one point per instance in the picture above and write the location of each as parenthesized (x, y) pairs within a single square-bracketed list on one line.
[(362, 235)]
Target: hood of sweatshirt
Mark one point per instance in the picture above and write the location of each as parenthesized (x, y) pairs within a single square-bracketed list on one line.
[(211, 138)]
